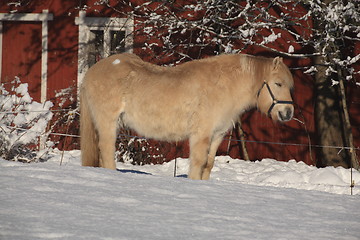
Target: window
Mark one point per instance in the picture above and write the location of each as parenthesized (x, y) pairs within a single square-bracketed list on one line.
[(95, 47), (117, 42)]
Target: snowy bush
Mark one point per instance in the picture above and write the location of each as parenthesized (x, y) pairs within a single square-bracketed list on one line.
[(137, 151), (64, 125), (23, 124)]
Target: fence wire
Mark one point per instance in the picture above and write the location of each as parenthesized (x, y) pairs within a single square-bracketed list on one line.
[(29, 111), (124, 136)]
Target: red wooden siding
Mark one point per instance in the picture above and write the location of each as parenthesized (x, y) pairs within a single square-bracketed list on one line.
[(22, 54)]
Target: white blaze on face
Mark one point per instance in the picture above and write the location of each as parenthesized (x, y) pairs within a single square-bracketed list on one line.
[(116, 61)]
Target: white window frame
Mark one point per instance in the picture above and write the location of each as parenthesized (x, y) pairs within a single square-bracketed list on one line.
[(106, 24), (43, 17)]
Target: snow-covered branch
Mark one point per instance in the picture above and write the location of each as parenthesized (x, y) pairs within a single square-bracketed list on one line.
[(185, 31)]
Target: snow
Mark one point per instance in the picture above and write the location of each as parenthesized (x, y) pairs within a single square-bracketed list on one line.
[(334, 82), (116, 61), (311, 70), (291, 49), (243, 200), (22, 89), (22, 119), (354, 59), (246, 32), (271, 38)]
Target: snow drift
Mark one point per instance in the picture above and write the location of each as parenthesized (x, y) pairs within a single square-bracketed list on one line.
[(244, 200)]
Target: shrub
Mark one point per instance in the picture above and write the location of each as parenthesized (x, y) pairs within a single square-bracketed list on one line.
[(23, 124)]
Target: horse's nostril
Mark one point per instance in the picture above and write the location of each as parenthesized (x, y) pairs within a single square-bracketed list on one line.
[(286, 115), (289, 113)]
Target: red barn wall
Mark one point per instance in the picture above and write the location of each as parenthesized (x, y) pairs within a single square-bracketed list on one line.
[(21, 55)]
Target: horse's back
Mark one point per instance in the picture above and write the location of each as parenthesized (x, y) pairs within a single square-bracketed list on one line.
[(115, 65), (109, 74)]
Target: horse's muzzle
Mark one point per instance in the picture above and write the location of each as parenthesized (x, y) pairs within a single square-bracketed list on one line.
[(286, 114)]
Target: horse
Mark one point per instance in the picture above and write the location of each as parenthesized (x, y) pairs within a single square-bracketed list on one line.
[(198, 100)]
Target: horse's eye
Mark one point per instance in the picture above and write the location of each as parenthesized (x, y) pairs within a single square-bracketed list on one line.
[(278, 84)]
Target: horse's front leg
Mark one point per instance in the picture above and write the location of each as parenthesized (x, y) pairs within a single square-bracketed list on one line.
[(199, 149), (211, 156)]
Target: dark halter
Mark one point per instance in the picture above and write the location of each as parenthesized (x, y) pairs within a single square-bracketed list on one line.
[(275, 101)]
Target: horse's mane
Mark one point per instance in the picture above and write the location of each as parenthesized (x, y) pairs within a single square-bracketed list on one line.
[(256, 66)]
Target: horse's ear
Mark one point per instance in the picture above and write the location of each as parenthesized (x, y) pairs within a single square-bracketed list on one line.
[(276, 62)]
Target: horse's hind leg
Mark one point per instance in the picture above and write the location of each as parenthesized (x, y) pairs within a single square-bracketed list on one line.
[(199, 148), (107, 138), (211, 156)]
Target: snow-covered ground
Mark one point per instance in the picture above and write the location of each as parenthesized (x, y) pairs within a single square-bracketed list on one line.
[(243, 200)]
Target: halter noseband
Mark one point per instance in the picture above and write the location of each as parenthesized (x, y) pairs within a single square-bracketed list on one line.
[(275, 101)]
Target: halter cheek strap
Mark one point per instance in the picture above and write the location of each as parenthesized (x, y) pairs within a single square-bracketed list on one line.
[(274, 100)]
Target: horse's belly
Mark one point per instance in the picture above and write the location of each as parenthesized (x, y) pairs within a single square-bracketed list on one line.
[(160, 111), (166, 129)]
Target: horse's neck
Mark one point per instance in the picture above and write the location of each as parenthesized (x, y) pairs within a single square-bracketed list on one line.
[(260, 73), (256, 72)]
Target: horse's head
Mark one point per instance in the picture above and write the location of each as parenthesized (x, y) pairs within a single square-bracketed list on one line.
[(274, 97)]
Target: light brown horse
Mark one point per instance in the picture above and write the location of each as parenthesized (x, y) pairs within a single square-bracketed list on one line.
[(198, 100)]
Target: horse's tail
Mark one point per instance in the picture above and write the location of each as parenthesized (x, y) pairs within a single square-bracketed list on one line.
[(88, 137)]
